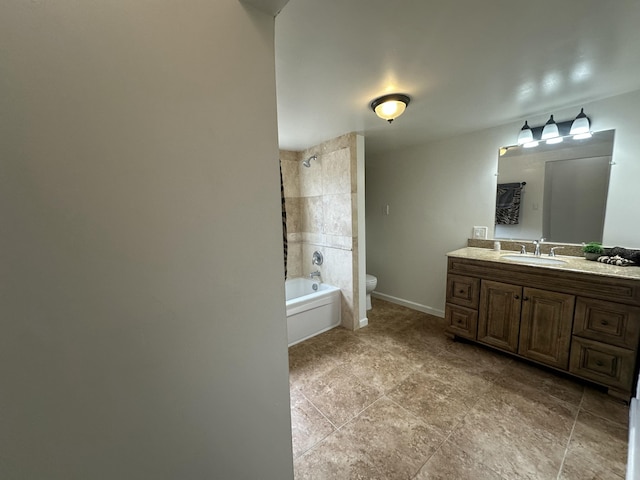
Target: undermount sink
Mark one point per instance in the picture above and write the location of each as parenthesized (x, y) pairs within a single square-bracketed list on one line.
[(533, 260)]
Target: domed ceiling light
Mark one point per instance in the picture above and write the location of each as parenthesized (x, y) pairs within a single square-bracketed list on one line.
[(390, 107), (580, 128)]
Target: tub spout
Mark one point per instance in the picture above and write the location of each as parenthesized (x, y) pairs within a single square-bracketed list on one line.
[(316, 274)]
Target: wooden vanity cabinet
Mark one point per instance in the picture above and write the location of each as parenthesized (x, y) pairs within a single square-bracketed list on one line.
[(586, 325), (499, 315), (545, 326), (605, 342), (462, 299), (534, 323)]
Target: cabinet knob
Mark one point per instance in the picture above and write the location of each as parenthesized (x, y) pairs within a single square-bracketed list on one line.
[(604, 322), (459, 321), (460, 291), (599, 363), (525, 299), (517, 297)]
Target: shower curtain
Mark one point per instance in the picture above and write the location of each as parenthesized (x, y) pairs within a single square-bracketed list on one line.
[(285, 245)]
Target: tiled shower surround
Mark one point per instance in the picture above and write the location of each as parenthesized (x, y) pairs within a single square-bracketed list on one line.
[(321, 204)]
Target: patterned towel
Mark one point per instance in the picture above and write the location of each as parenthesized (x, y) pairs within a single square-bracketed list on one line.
[(628, 253), (508, 203), (616, 260)]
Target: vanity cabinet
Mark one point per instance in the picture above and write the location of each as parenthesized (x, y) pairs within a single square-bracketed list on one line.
[(605, 341), (586, 325), (499, 315), (462, 315), (532, 322)]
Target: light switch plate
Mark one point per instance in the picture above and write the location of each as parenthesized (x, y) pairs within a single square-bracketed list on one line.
[(480, 233)]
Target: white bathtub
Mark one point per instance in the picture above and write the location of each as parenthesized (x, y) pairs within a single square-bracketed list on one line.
[(310, 310)]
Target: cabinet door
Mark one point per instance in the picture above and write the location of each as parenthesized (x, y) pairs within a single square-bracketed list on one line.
[(499, 316), (605, 364), (607, 322), (463, 290), (545, 326), (461, 321)]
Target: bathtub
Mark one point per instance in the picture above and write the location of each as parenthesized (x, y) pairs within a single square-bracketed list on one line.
[(312, 308)]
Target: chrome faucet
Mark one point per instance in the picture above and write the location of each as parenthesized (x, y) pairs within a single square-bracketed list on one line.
[(523, 249), (552, 253), (537, 244), (315, 274)]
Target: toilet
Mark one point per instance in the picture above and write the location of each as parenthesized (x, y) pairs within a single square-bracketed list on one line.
[(372, 281)]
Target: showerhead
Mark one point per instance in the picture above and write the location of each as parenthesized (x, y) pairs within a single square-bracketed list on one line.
[(307, 162)]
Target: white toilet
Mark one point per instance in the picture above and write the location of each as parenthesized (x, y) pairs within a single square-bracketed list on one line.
[(371, 286)]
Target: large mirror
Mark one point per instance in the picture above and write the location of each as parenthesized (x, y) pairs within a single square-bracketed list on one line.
[(557, 191)]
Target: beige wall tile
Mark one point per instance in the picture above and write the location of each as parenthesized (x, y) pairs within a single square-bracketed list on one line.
[(290, 173), (337, 214), (294, 260), (336, 172), (311, 178), (311, 209), (294, 216)]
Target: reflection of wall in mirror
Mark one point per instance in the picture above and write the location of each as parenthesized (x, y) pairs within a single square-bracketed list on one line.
[(537, 210), (575, 199), (530, 170)]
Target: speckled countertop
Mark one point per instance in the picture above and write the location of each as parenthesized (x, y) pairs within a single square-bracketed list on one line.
[(573, 264)]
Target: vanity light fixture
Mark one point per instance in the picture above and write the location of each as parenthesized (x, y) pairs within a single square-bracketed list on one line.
[(525, 135), (550, 132), (389, 107), (580, 128)]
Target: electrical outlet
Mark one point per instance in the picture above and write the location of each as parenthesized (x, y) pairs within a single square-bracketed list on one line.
[(480, 233)]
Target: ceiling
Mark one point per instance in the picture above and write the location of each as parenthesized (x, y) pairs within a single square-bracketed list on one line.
[(466, 64)]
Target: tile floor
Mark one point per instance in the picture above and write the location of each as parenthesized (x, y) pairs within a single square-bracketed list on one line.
[(399, 400)]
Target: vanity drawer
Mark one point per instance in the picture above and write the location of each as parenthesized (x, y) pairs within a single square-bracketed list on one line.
[(608, 322), (461, 321), (606, 364), (464, 291)]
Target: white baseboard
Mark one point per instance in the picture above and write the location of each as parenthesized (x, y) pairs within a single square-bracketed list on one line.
[(409, 304), (364, 322)]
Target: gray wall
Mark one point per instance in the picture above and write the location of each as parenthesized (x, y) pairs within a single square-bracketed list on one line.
[(137, 338), (437, 192)]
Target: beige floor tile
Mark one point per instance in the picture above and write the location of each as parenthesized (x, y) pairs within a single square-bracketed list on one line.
[(601, 440), (473, 377), (339, 395), (555, 384), (548, 416), (605, 406), (381, 368), (480, 355), (509, 448), (451, 463), (505, 418), (383, 442), (413, 349), (308, 425), (577, 467), (307, 362), (439, 404)]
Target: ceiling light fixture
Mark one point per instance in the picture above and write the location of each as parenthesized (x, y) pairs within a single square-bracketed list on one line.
[(390, 107), (526, 134), (550, 131), (580, 128)]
